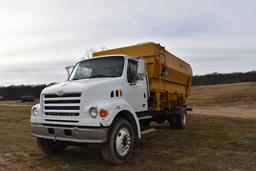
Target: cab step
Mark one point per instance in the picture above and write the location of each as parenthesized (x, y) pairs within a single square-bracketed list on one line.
[(145, 117), (147, 131)]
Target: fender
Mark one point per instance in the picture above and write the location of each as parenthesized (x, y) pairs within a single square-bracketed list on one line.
[(115, 107)]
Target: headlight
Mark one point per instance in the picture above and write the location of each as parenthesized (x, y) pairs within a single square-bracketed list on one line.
[(34, 111), (93, 112)]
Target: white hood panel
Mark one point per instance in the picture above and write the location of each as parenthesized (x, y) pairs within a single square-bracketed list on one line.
[(76, 85)]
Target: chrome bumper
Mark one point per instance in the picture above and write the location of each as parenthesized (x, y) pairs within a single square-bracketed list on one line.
[(72, 134)]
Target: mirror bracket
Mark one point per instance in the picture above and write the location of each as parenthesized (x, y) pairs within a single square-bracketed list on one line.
[(133, 83), (69, 70), (139, 76)]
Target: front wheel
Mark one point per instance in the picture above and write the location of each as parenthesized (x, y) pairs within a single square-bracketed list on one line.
[(120, 144)]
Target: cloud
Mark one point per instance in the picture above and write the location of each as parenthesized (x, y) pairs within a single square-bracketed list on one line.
[(211, 35), (34, 73)]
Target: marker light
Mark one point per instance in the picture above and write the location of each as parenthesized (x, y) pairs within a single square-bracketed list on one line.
[(103, 113)]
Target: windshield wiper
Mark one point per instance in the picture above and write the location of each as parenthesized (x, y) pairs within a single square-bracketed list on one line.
[(94, 76), (99, 76)]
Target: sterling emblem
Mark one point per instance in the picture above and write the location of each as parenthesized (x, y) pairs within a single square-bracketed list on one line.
[(60, 93)]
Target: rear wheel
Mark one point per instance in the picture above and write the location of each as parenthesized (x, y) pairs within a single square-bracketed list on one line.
[(120, 144), (50, 146), (178, 120)]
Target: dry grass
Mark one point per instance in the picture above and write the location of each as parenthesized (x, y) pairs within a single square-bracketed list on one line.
[(232, 100), (224, 95), (209, 143)]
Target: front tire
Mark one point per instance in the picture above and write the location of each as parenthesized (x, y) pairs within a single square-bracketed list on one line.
[(50, 146), (120, 144)]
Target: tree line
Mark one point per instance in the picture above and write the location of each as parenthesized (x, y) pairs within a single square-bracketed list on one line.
[(218, 78), (15, 92)]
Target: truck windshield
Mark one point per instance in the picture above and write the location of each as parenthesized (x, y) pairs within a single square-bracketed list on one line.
[(98, 67)]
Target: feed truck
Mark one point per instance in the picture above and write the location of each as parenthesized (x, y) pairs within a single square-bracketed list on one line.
[(111, 98)]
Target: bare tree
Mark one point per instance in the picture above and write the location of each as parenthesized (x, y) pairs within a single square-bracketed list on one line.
[(90, 51), (103, 48)]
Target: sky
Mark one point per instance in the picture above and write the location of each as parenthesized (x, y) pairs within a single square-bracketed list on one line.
[(38, 39)]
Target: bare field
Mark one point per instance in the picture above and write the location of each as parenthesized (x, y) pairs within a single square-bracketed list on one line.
[(242, 94), (221, 135), (231, 100)]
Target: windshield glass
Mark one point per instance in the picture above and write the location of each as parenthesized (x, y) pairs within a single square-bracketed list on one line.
[(98, 67)]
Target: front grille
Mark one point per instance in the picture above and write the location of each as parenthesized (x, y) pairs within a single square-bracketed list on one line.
[(61, 101), (67, 104), (62, 107), (61, 114)]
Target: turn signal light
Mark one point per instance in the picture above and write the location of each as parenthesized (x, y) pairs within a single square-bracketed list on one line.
[(103, 113)]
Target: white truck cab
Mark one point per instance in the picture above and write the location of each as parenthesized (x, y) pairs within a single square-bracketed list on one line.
[(97, 104)]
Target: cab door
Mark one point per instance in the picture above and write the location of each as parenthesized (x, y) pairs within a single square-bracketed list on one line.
[(136, 86)]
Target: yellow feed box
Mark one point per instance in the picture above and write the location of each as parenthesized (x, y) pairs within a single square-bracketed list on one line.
[(169, 77)]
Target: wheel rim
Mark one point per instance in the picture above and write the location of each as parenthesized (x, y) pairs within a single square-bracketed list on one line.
[(123, 141)]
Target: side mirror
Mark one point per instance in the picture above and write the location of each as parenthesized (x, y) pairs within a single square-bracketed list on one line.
[(69, 70), (141, 69), (141, 66)]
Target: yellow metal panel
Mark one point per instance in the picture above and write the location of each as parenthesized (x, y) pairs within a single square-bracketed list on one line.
[(144, 49)]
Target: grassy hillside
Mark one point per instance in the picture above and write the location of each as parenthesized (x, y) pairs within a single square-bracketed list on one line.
[(224, 94)]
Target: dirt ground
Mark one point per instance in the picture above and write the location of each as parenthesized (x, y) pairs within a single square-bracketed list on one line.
[(221, 135)]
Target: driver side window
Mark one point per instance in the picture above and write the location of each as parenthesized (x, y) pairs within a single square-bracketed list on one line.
[(83, 72), (132, 70)]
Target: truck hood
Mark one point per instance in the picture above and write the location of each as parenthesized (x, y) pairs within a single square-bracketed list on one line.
[(77, 85)]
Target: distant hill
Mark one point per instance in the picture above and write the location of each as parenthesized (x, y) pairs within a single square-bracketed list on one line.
[(217, 78), (15, 92)]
